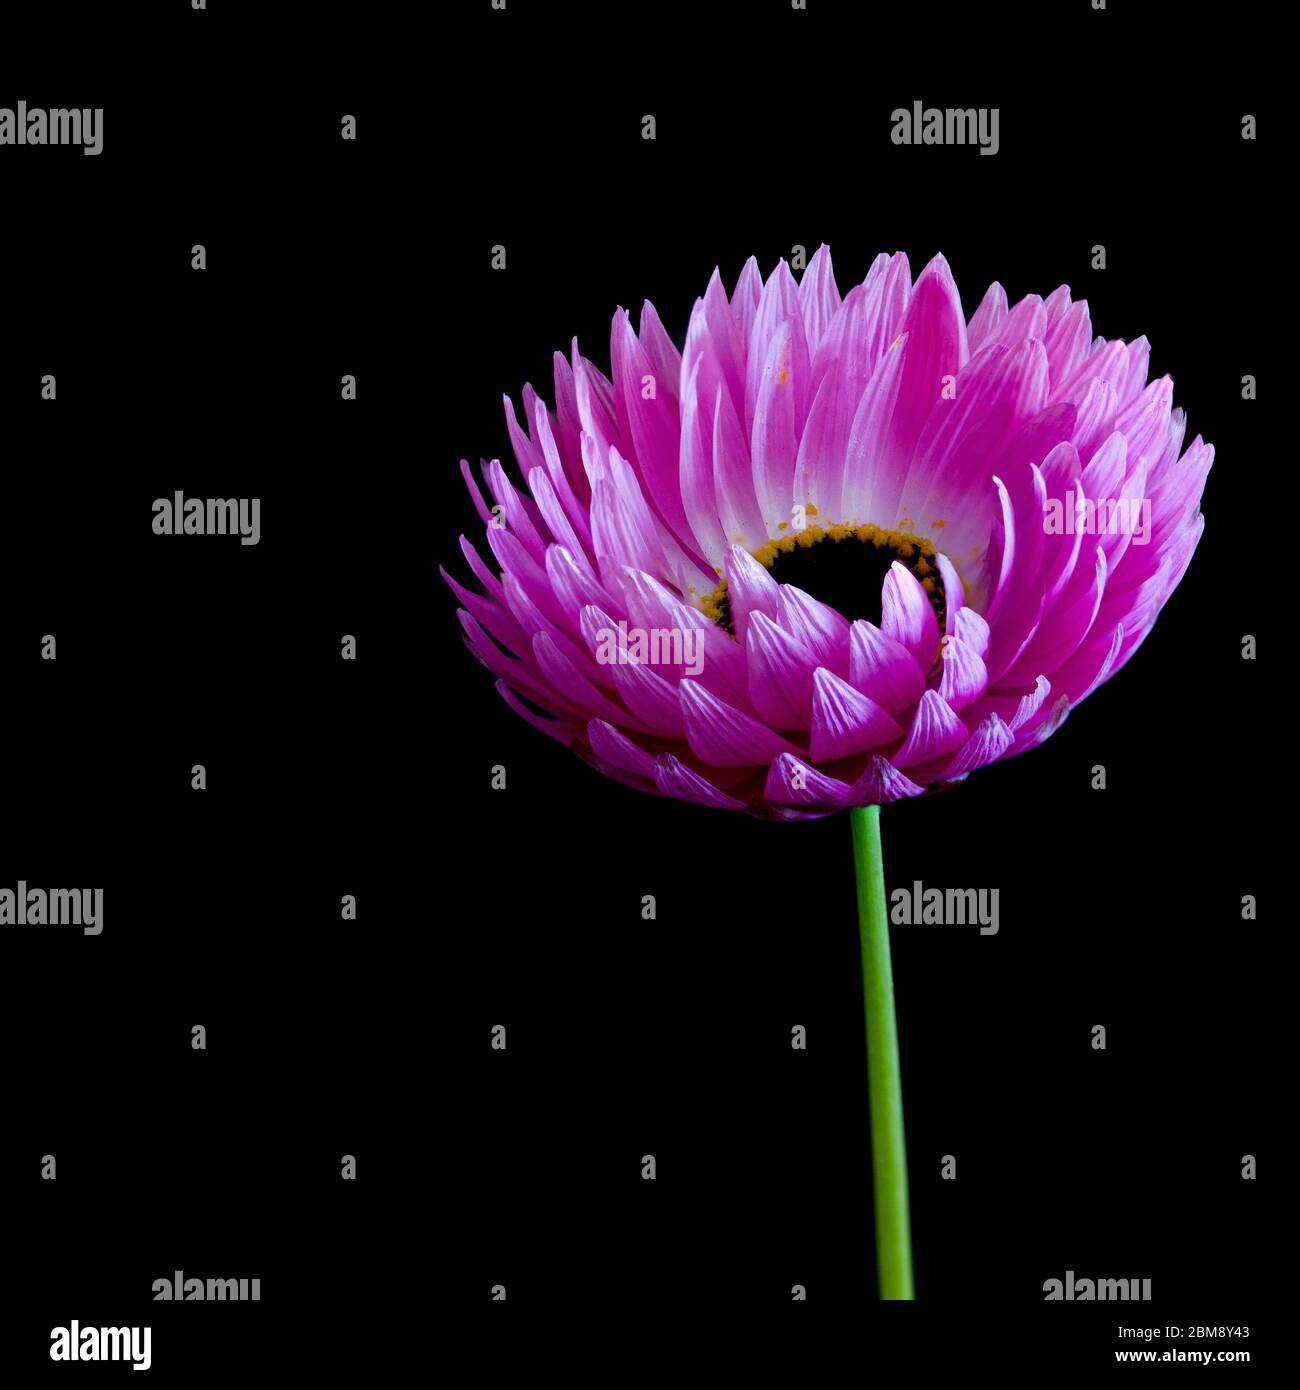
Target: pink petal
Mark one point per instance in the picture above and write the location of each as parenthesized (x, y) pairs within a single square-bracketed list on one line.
[(562, 730), (750, 589), (965, 677), (792, 781), (778, 306), (818, 628), (615, 748), (987, 319), (971, 628), (778, 420), (883, 669), (986, 745), (780, 674), (674, 778), (744, 300), (935, 730), (882, 783), (819, 296), (721, 735), (733, 478), (844, 721), (908, 617)]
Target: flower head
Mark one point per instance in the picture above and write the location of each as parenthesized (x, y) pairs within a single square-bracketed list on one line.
[(834, 552)]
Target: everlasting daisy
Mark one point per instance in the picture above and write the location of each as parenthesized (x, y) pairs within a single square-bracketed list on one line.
[(858, 514), (833, 553)]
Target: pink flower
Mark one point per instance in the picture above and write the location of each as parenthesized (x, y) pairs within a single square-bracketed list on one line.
[(835, 552)]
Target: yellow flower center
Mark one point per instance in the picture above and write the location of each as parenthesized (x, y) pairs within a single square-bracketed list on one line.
[(844, 566)]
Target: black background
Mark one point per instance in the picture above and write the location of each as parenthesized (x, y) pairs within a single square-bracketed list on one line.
[(480, 907)]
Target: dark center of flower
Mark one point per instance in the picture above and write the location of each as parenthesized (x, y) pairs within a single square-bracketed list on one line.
[(844, 567)]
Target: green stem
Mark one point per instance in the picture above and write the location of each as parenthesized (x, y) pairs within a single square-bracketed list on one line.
[(884, 1082)]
